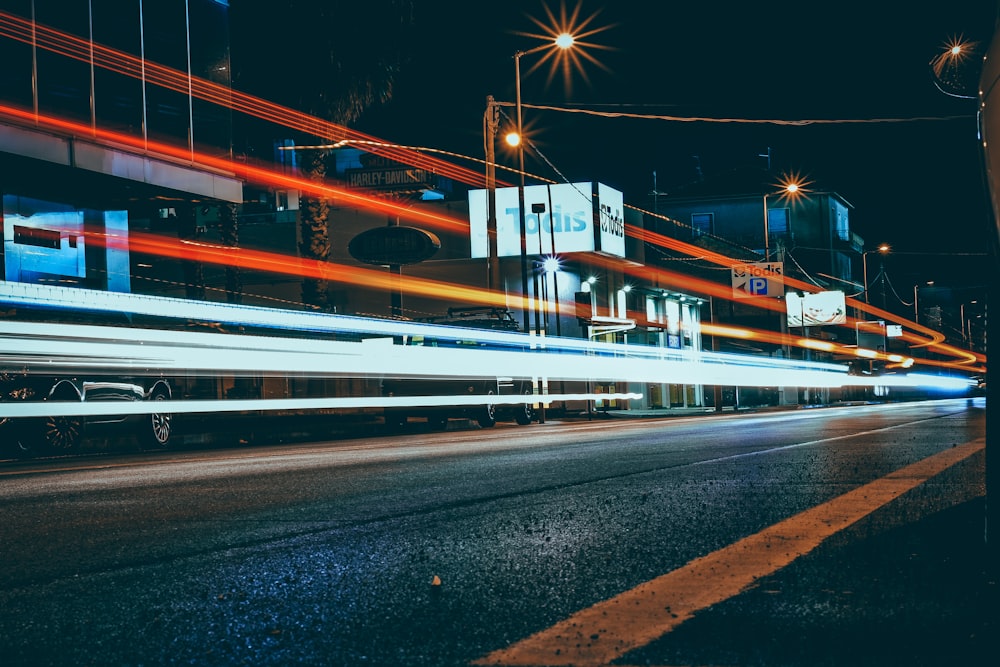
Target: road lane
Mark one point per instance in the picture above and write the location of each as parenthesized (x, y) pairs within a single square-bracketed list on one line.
[(324, 553), (607, 631)]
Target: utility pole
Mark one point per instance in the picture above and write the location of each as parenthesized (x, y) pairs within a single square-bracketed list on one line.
[(491, 122)]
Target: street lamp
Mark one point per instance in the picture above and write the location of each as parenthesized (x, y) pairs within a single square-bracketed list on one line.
[(916, 307), (961, 314), (562, 41), (883, 249), (790, 187)]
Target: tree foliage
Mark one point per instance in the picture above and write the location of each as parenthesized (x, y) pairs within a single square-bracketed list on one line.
[(332, 59)]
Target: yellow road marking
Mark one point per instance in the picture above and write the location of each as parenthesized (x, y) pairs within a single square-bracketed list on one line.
[(610, 629)]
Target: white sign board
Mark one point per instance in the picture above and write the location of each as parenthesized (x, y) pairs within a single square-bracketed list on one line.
[(558, 218), (612, 221), (758, 279), (816, 309)]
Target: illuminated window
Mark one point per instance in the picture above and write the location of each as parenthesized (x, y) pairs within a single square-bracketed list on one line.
[(777, 221), (702, 223), (841, 221)]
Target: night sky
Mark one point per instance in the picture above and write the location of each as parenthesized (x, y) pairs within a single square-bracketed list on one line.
[(915, 184)]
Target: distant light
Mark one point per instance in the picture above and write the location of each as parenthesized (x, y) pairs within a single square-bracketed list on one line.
[(884, 248), (513, 138), (822, 345), (792, 188), (564, 40), (731, 332), (550, 264), (627, 288), (592, 279)]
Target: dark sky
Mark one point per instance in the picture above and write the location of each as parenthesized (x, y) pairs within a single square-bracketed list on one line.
[(915, 184)]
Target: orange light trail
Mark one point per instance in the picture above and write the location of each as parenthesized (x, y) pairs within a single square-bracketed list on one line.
[(74, 47), (273, 262), (719, 290), (77, 48), (270, 262), (935, 341), (254, 174)]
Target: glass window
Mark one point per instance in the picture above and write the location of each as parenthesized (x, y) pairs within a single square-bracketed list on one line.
[(777, 221), (210, 61), (702, 223), (117, 96), (63, 82), (165, 42), (842, 224), (15, 74), (673, 313)]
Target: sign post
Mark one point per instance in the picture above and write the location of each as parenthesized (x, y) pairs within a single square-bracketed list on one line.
[(758, 279)]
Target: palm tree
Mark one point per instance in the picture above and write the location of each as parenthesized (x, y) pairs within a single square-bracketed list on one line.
[(331, 59)]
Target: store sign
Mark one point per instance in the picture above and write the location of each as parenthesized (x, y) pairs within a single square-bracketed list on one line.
[(612, 221), (392, 178), (561, 218), (393, 246), (758, 279)]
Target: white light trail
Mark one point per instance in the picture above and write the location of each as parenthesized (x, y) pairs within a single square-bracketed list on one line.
[(51, 350), (75, 409)]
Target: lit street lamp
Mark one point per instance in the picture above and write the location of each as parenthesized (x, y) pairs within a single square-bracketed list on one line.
[(883, 249), (790, 188), (562, 41)]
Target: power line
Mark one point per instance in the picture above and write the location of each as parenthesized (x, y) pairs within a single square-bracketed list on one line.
[(758, 121)]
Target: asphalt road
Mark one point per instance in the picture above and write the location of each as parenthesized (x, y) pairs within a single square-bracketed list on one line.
[(836, 536)]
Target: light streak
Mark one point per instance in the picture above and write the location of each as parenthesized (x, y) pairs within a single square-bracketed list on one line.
[(822, 345), (74, 47), (98, 408), (77, 48), (228, 255), (254, 174), (52, 349)]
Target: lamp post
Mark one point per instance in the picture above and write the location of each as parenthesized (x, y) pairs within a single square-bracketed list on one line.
[(789, 188), (562, 41), (966, 331), (883, 249), (916, 307), (491, 120)]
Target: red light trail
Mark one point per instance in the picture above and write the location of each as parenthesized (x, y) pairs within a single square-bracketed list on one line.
[(77, 48)]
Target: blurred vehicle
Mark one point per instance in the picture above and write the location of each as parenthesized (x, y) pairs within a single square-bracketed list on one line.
[(486, 414), (64, 433)]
